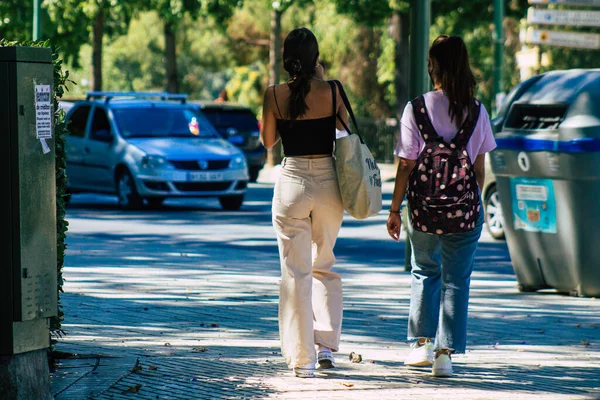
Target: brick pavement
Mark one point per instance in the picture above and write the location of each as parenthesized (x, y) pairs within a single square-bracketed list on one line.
[(182, 304)]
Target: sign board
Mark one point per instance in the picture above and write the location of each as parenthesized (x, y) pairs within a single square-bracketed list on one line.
[(590, 3), (533, 204), (542, 16), (564, 39), (43, 112)]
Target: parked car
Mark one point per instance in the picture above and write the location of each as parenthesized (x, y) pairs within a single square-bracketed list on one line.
[(147, 147), (238, 125), (494, 218)]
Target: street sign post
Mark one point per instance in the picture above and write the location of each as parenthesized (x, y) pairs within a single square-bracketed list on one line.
[(564, 39), (541, 16), (588, 3)]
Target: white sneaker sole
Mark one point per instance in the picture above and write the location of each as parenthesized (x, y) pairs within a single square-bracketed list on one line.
[(442, 373), (422, 363), (302, 373)]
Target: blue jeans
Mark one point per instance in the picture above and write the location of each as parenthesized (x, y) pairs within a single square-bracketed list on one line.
[(441, 276)]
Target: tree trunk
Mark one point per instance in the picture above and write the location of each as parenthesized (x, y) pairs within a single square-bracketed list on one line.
[(401, 32), (171, 59), (98, 32), (275, 154)]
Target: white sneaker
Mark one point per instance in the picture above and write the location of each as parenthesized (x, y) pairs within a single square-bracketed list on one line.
[(421, 356), (325, 360), (304, 372), (442, 365)]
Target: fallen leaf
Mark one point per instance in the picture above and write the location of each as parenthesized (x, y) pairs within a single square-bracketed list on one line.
[(346, 384), (585, 342), (152, 368), (577, 325), (137, 370), (355, 358), (168, 344), (201, 349), (214, 325), (133, 389)]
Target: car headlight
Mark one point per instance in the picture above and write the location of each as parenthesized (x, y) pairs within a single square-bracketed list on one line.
[(238, 162), (154, 162)]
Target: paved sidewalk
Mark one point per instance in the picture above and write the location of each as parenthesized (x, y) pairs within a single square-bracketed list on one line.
[(182, 304)]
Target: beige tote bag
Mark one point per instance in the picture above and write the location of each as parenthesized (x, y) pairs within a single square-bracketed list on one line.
[(358, 175)]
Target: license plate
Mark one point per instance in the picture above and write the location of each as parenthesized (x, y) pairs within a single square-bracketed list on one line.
[(204, 176)]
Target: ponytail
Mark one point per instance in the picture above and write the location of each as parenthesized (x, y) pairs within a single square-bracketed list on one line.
[(449, 66), (300, 55)]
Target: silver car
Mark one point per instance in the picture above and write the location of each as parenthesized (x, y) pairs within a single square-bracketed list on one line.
[(494, 217), (145, 147)]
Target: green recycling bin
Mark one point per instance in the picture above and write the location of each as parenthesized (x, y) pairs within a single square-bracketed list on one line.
[(547, 166)]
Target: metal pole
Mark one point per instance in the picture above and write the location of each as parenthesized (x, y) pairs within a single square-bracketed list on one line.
[(498, 49), (36, 20), (420, 22)]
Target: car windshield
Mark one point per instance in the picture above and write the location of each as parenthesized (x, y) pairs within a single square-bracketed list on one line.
[(151, 122), (223, 119)]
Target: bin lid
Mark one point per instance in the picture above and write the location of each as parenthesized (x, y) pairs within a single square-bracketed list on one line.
[(561, 86), (26, 54), (556, 106)]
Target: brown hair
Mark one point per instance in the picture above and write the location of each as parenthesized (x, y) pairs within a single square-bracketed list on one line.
[(449, 66), (300, 54)]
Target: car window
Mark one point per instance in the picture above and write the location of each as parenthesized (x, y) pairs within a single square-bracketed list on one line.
[(78, 120), (223, 119), (162, 122), (100, 126)]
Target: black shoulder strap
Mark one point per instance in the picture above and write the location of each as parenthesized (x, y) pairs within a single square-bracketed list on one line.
[(349, 109), (333, 96), (468, 127), (276, 103), (422, 119)]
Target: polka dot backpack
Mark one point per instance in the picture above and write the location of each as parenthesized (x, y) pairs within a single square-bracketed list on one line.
[(443, 196)]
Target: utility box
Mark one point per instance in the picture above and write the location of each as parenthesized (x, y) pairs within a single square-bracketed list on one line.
[(547, 168), (28, 275)]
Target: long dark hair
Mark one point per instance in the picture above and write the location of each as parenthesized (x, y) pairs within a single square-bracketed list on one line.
[(300, 54), (449, 66)]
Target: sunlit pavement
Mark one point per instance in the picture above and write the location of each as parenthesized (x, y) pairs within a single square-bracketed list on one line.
[(181, 303)]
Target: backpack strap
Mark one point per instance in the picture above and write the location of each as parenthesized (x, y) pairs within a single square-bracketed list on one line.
[(468, 127), (422, 119)]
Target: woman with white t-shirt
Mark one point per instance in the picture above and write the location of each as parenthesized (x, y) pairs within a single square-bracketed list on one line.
[(443, 140)]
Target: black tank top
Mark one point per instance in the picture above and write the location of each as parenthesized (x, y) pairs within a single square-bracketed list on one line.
[(306, 137)]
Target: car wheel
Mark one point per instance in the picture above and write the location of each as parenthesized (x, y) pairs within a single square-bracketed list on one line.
[(494, 218), (155, 201), (128, 195), (253, 172), (231, 203)]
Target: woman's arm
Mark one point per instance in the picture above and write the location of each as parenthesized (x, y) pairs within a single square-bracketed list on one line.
[(480, 170), (394, 223), (268, 131)]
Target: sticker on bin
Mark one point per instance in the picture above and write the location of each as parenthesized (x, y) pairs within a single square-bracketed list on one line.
[(533, 205)]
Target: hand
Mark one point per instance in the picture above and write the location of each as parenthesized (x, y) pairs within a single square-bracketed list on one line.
[(394, 224)]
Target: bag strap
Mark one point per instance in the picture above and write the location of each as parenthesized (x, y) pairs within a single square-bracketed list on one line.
[(350, 112), (334, 102), (468, 127)]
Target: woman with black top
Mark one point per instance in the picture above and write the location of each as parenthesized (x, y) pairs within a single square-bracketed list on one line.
[(307, 207)]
